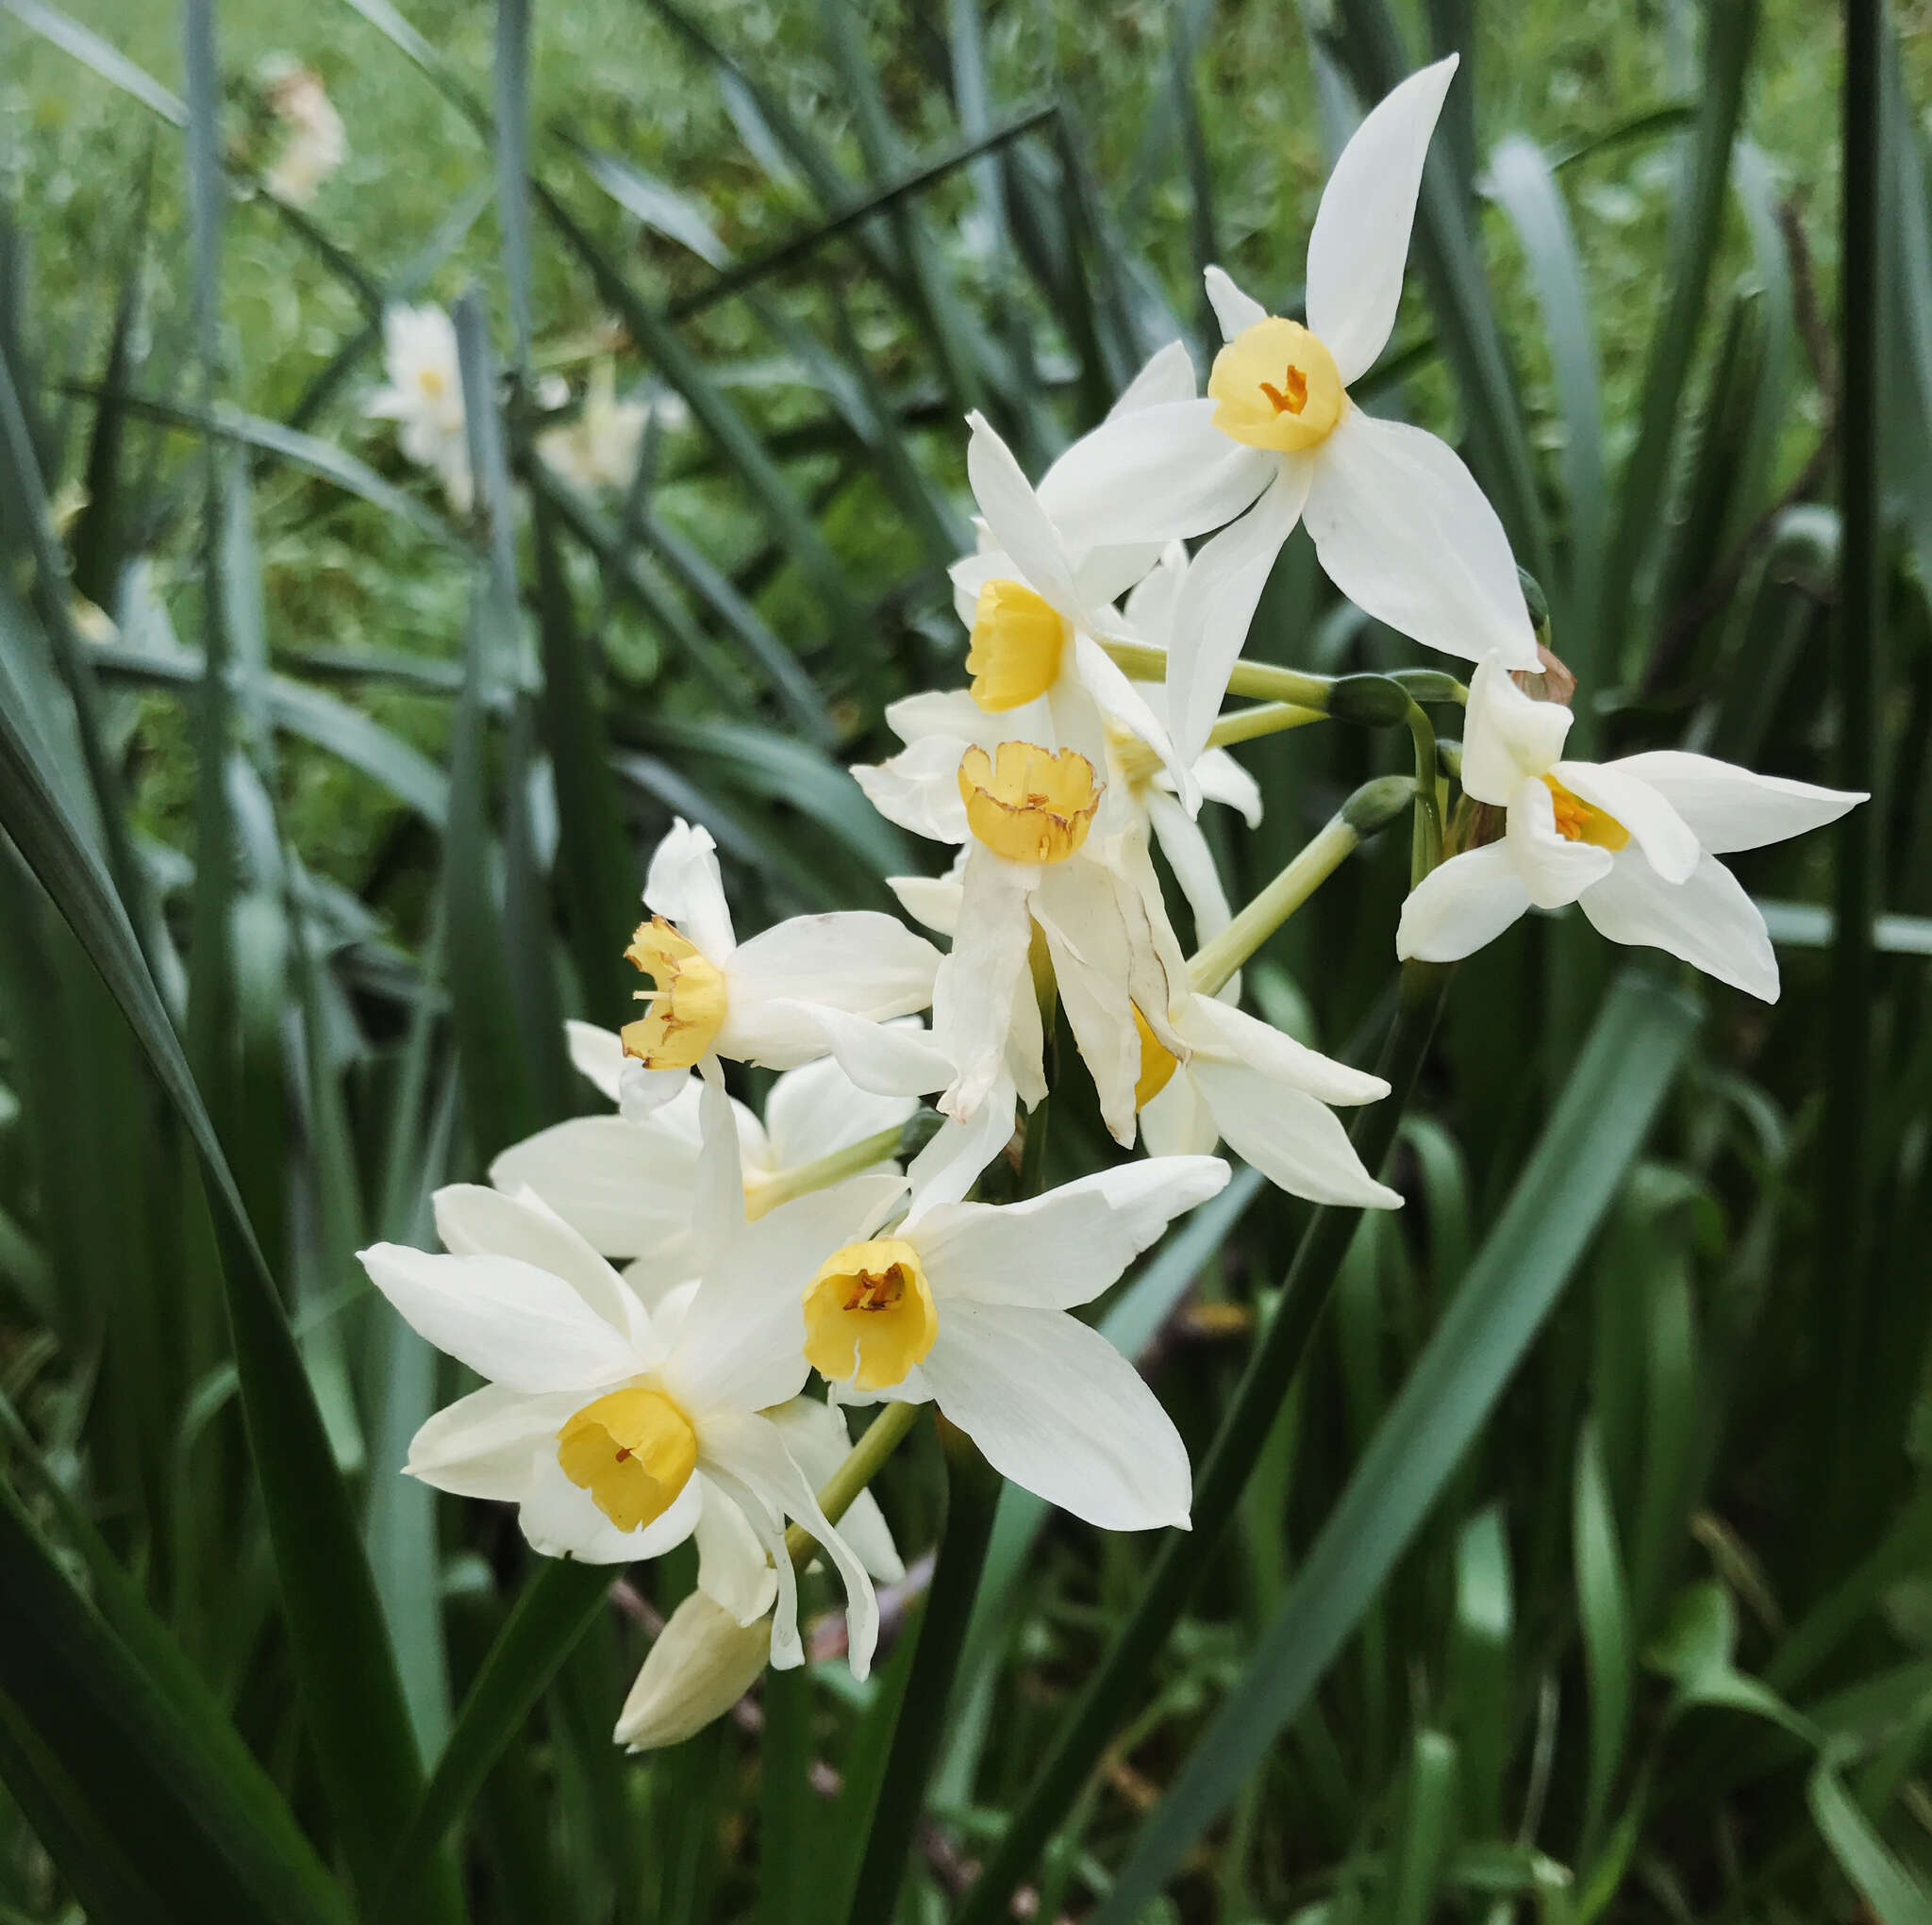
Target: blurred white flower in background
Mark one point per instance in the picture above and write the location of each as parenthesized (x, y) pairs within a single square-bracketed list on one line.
[(425, 397), (598, 448), (313, 144)]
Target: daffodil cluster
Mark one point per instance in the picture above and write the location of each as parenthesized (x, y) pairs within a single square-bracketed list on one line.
[(649, 1295)]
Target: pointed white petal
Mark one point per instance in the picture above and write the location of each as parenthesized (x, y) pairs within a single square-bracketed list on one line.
[(1655, 826), (483, 1445), (1459, 905), (1226, 1033), (1729, 808), (598, 1055), (1166, 374), (1053, 1406), (933, 900), (1150, 607), (476, 1221), (509, 1321), (1709, 921), (1236, 311), (950, 712), (1177, 1123), (1359, 244), (786, 1649), (1019, 524), (813, 1111), (1406, 534), (683, 886), (733, 1571), (1552, 869), (643, 1093), (623, 1187), (983, 978), (1154, 476), (561, 1520), (1065, 1246), (820, 1440), (958, 1153), (1224, 780), (918, 787), (858, 960), (886, 1059), (1192, 862), (1217, 602), (1125, 707), (1506, 735), (1294, 1141)]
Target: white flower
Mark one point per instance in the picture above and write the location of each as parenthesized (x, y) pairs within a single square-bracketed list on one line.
[(813, 985), (1398, 522), (425, 397), (315, 144), (1635, 843), (967, 1305), (624, 1183), (1265, 1095), (599, 448), (619, 1432), (1034, 607)]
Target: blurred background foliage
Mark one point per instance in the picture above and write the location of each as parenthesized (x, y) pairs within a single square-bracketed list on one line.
[(1586, 1570)]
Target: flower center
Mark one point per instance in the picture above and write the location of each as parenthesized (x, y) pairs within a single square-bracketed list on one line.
[(687, 1002), (430, 381), (1157, 1063), (633, 1450), (1030, 805), (1581, 821), (1278, 387), (869, 1314), (1017, 640)]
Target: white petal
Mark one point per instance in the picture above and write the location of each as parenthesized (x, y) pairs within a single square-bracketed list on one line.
[(702, 1664), (598, 1055), (1359, 244), (939, 712), (1709, 921), (683, 886), (1729, 808), (1125, 707), (1506, 735), (933, 900), (1655, 826), (918, 787), (1156, 475), (562, 1520), (1459, 905), (1150, 607), (483, 1445), (1224, 780), (1217, 603), (958, 1153), (1406, 534), (1294, 1141), (733, 1571), (1019, 524), (1167, 374), (476, 1221), (859, 960), (1065, 1246), (1177, 1123), (643, 1093), (820, 1440), (816, 1111), (979, 983), (623, 1187), (509, 1321), (1236, 311), (886, 1059), (1192, 862), (1552, 869), (1053, 1406), (1230, 1035), (787, 1651)]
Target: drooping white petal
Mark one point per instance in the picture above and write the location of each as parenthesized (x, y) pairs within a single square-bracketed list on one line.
[(1053, 1406), (483, 1445), (1406, 534), (733, 1571), (1020, 525), (476, 1221), (1236, 311), (933, 900), (886, 1059), (1709, 921), (1192, 862), (623, 1187), (958, 1153), (684, 886), (816, 1111), (1150, 607), (918, 787), (1360, 245), (1294, 1141), (1220, 1031), (1552, 869), (1506, 735), (1727, 808), (858, 960), (1224, 780), (820, 1439), (1156, 475), (1062, 1248), (562, 1520), (979, 983), (1655, 826), (597, 1055), (509, 1321), (1459, 905), (1217, 602), (787, 1650), (1124, 706)]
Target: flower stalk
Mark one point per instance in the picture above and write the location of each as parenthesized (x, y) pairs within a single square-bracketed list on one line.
[(767, 1193)]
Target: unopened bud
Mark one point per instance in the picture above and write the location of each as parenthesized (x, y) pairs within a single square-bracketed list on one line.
[(1551, 681), (702, 1663), (1372, 699), (1377, 804)]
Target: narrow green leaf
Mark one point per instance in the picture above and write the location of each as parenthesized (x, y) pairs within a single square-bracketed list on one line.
[(1882, 1880), (91, 51), (1603, 1608), (511, 74)]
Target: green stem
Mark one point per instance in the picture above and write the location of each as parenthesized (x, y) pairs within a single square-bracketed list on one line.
[(842, 1489), (1264, 719), (765, 1194), (1146, 663), (1186, 1555), (1427, 848)]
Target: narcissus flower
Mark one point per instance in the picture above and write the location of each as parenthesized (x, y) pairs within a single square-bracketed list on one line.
[(1634, 842), (619, 1431), (599, 447), (812, 986), (425, 397), (626, 1184), (1262, 1093), (1398, 522), (967, 1305)]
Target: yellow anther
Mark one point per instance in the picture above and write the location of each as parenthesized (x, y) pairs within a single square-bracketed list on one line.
[(1030, 805), (1017, 640), (633, 1450), (687, 1003), (1157, 1063), (1581, 821), (869, 1314), (1278, 387)]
